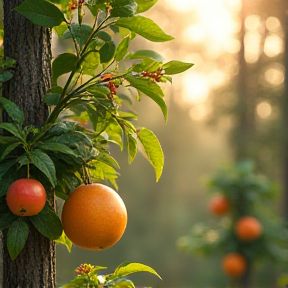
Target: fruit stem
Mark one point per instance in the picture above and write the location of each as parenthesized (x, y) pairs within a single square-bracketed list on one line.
[(28, 170), (86, 178)]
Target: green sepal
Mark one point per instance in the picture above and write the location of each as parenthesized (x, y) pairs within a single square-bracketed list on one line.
[(64, 240)]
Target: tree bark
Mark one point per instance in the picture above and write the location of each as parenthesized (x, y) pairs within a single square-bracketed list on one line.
[(285, 125), (30, 46), (243, 131)]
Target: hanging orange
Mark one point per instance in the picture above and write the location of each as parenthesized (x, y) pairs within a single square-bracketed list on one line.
[(248, 228), (94, 217), (234, 264), (219, 205)]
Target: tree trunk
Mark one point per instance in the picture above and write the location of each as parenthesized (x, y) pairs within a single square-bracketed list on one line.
[(30, 45), (285, 125), (245, 115)]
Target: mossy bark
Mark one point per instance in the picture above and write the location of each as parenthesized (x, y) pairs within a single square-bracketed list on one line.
[(30, 46)]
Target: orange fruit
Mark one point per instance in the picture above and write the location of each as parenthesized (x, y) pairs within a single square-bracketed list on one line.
[(94, 217), (219, 205), (234, 264), (26, 197), (248, 228)]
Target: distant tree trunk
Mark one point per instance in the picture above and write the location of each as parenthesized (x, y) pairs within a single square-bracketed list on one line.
[(30, 46), (285, 125), (245, 114)]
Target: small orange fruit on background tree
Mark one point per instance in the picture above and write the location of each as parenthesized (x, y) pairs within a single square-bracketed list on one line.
[(94, 217), (219, 205), (26, 197), (234, 264), (248, 228)]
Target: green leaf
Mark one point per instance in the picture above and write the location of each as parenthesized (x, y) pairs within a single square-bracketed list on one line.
[(144, 5), (9, 148), (108, 160), (107, 52), (6, 140), (153, 150), (142, 54), (64, 63), (12, 110), (64, 240), (90, 63), (44, 163), (23, 160), (5, 76), (80, 32), (56, 148), (4, 167), (124, 284), (17, 236), (145, 27), (14, 129), (123, 8), (6, 216), (115, 132), (128, 268), (122, 48), (41, 12), (132, 147), (47, 223), (52, 99), (151, 89), (175, 67)]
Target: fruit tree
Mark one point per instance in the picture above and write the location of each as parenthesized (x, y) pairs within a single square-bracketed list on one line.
[(249, 232), (45, 100)]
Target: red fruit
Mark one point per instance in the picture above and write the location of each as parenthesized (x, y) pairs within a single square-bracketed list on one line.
[(26, 197), (219, 205), (248, 228)]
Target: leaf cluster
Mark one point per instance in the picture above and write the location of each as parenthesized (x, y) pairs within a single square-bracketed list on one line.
[(87, 275), (90, 111)]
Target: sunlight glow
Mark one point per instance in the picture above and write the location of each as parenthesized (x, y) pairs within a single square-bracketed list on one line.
[(252, 42), (198, 112), (264, 109), (273, 24), (252, 22), (274, 76), (196, 88), (273, 45)]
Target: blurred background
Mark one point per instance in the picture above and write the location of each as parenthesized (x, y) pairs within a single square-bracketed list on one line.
[(232, 104)]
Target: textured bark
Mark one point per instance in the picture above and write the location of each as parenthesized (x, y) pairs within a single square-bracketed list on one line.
[(285, 125), (30, 45), (247, 89)]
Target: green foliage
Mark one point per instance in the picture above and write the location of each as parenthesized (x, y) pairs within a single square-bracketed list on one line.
[(88, 113), (86, 275), (248, 194)]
